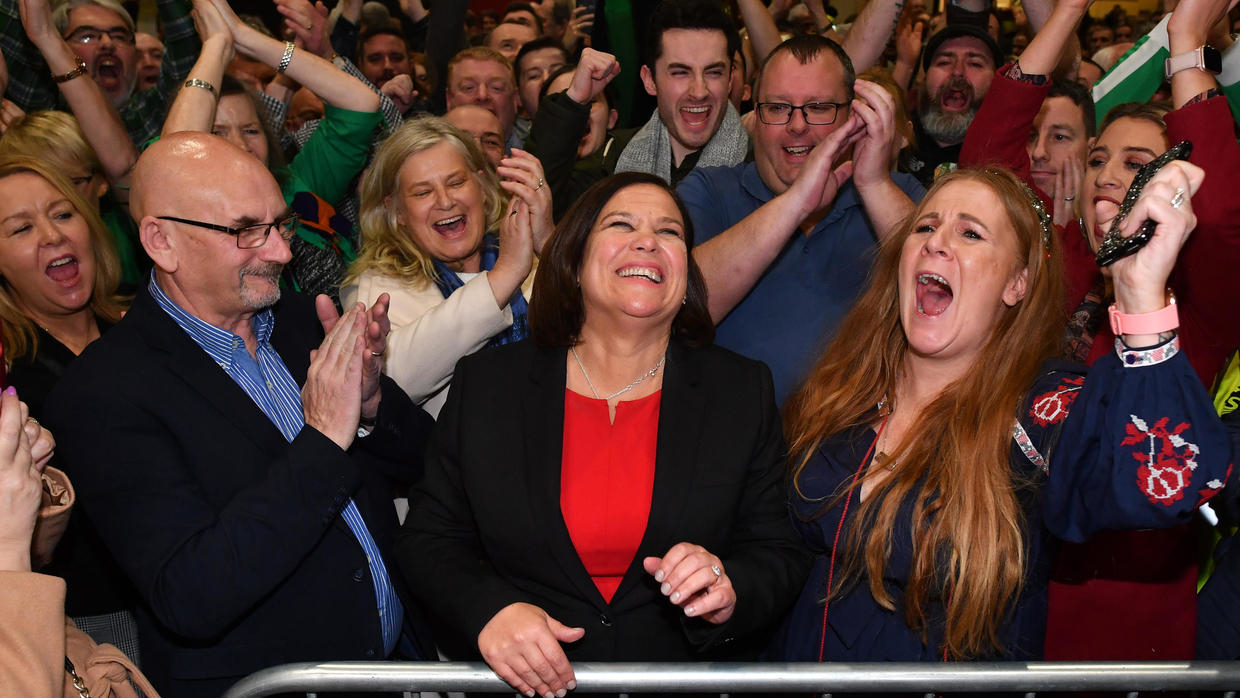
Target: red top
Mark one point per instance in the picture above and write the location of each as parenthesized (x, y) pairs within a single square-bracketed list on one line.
[(606, 482)]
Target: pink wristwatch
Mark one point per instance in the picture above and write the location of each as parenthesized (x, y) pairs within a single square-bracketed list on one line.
[(1156, 322)]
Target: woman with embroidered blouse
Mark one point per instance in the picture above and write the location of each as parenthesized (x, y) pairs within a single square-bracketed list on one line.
[(612, 489), (1143, 577), (934, 471)]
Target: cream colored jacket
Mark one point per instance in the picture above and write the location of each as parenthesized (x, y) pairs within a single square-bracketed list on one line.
[(431, 333)]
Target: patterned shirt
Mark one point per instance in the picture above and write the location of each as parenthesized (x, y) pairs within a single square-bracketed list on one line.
[(266, 379)]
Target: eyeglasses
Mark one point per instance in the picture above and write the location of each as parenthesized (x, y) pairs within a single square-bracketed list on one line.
[(250, 236), (91, 35), (815, 113)]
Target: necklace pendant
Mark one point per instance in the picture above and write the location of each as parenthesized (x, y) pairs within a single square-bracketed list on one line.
[(884, 460)]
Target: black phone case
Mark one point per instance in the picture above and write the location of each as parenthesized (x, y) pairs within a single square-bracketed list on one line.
[(1114, 246)]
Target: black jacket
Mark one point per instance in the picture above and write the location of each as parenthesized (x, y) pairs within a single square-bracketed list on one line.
[(231, 534), (487, 516)]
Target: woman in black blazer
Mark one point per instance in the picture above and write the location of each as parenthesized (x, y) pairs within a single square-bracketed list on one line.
[(612, 490)]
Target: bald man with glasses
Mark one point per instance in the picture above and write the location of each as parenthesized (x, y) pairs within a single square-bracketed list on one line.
[(235, 445)]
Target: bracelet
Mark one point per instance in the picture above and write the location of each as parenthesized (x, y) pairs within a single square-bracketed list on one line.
[(195, 82), (1155, 322), (79, 70), (284, 60)]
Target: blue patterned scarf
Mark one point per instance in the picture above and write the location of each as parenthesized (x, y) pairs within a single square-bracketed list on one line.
[(448, 281)]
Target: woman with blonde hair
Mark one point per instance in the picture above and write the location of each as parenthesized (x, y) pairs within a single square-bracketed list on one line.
[(58, 278), (56, 138), (935, 470), (429, 206)]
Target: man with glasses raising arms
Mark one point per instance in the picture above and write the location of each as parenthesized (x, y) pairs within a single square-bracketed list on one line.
[(101, 34), (237, 462), (785, 241)]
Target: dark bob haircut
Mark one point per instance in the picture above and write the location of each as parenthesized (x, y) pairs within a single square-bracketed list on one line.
[(557, 311)]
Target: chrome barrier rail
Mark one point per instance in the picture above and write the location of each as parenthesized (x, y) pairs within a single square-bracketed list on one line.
[(1018, 677)]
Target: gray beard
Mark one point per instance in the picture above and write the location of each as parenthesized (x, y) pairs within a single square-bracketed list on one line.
[(947, 128)]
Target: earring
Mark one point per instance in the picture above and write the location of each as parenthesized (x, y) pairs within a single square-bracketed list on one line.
[(684, 300)]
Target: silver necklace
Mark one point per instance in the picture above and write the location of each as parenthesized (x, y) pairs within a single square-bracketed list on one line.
[(625, 389)]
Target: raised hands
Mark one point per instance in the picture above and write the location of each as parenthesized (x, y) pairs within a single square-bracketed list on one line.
[(342, 384), (593, 72), (695, 580), (521, 175), (213, 28), (872, 156), (308, 22), (37, 20), (521, 644), (580, 24), (1141, 279), (820, 178)]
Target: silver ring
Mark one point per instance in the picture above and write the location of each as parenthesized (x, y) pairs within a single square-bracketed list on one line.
[(718, 572), (1069, 197), (1178, 200), (376, 354), (310, 26), (540, 184)]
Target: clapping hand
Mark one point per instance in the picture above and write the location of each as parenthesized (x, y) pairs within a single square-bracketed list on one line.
[(872, 156), (521, 175)]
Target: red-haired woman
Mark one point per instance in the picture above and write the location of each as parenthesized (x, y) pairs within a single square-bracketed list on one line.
[(935, 469)]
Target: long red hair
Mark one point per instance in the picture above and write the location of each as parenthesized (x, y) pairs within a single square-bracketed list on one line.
[(968, 526)]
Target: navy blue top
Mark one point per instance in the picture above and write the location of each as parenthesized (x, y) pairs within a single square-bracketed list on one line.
[(1135, 445), (791, 313)]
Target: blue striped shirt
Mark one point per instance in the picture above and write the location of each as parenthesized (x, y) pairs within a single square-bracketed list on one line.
[(266, 380)]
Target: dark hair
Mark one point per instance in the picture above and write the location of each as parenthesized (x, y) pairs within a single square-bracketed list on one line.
[(609, 90), (688, 14), (542, 42), (379, 30), (1081, 98), (1153, 112), (556, 309), (519, 6), (276, 164), (806, 48)]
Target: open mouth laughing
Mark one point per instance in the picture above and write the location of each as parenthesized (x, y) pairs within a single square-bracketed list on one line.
[(934, 294)]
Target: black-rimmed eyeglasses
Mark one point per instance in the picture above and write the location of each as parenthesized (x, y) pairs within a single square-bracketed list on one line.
[(815, 113), (91, 35), (249, 236)]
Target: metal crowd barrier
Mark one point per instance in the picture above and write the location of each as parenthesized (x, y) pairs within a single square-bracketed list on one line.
[(731, 678)]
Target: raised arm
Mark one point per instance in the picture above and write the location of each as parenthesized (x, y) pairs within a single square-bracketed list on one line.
[(98, 119), (869, 34), (1042, 54), (1142, 446), (332, 85), (763, 33), (194, 106)]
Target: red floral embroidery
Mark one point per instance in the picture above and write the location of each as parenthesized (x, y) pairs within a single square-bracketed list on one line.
[(1213, 487), (1052, 408), (1167, 460)]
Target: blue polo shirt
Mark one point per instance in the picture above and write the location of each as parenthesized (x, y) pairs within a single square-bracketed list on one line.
[(791, 313)]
